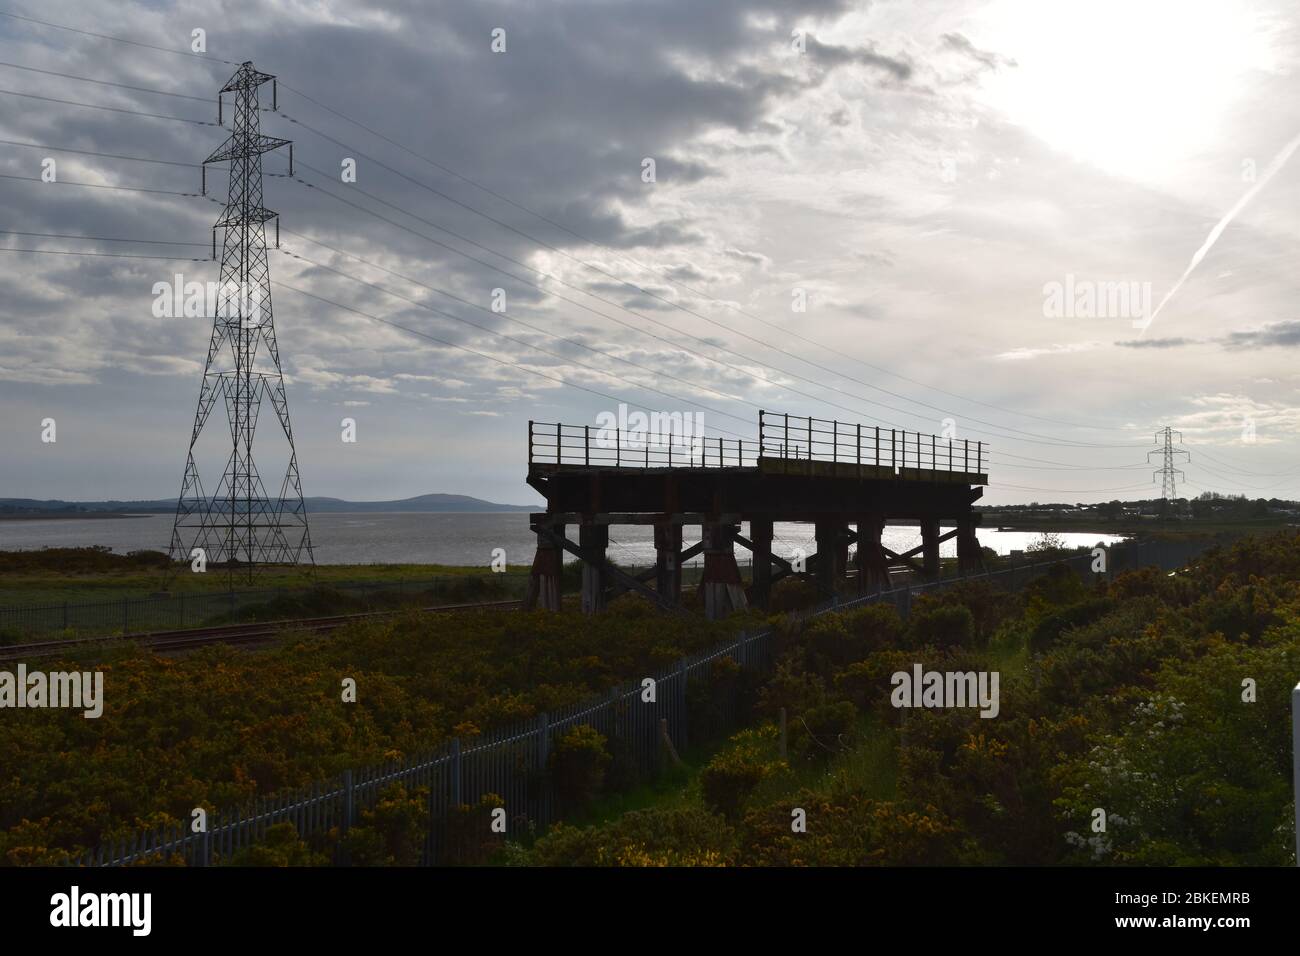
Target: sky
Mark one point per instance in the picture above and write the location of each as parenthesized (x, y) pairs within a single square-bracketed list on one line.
[(914, 215)]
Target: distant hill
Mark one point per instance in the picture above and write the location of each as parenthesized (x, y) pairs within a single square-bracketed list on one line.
[(437, 503)]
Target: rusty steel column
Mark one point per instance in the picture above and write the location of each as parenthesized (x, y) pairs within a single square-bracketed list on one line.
[(829, 570), (593, 539), (873, 570), (668, 567), (930, 543), (548, 566), (723, 589), (970, 560), (760, 536)]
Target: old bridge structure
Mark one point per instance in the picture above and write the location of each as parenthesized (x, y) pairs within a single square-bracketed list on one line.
[(847, 480)]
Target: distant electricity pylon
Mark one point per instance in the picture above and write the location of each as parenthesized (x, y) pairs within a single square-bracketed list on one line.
[(239, 525), (1167, 471)]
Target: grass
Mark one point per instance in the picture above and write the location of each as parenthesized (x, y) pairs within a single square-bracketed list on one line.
[(58, 575)]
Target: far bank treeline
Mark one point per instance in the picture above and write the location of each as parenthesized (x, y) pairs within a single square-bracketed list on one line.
[(1126, 696)]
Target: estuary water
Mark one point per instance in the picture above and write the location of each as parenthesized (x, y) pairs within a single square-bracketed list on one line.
[(452, 538)]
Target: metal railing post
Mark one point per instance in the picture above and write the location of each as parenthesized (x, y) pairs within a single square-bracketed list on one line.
[(586, 445), (785, 452)]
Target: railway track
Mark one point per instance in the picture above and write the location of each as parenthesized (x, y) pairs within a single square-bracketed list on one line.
[(254, 633)]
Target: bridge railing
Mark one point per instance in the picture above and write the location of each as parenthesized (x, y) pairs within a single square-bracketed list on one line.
[(591, 445), (800, 437), (787, 438)]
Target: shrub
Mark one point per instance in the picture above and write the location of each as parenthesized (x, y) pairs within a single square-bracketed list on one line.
[(952, 626), (731, 776), (470, 840), (682, 836), (279, 846), (793, 594), (1050, 627), (818, 732), (578, 764), (392, 832)]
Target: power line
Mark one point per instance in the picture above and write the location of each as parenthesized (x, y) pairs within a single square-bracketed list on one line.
[(601, 271), (1067, 491), (667, 301), (474, 305), (481, 308), (91, 152), (463, 348), (110, 255), (674, 345), (746, 372), (105, 36), (624, 256), (90, 79), (509, 338), (110, 109), (71, 235), (67, 182)]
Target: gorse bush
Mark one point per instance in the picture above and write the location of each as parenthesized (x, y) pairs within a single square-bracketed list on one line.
[(222, 725), (732, 775), (578, 764), (1164, 699)]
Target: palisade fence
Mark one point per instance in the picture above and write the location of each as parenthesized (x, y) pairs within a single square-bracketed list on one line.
[(198, 608), (512, 762)]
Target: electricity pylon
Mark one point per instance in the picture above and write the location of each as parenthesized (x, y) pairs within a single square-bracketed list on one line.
[(1167, 471), (239, 525)]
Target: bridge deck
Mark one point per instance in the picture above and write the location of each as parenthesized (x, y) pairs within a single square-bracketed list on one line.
[(846, 480)]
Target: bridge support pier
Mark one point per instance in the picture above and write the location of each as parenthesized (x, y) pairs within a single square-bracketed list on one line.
[(723, 589), (969, 558), (831, 552), (930, 544), (544, 579), (668, 567), (760, 535), (873, 570), (593, 539)]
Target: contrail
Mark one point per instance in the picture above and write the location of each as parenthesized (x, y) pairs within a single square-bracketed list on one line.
[(1270, 170)]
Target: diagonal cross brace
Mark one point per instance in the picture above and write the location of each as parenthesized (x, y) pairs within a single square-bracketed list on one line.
[(616, 573)]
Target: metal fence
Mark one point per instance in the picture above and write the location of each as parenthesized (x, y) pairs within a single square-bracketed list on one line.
[(512, 762), (182, 609)]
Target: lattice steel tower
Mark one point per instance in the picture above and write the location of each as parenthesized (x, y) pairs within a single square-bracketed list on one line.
[(239, 524), (1167, 471)]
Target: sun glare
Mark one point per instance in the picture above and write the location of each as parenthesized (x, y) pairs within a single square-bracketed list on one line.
[(1132, 88)]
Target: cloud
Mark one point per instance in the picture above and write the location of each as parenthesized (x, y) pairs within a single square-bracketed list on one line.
[(1166, 343), (1274, 335), (831, 56), (961, 44)]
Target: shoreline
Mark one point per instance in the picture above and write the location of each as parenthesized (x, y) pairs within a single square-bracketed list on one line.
[(77, 516)]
